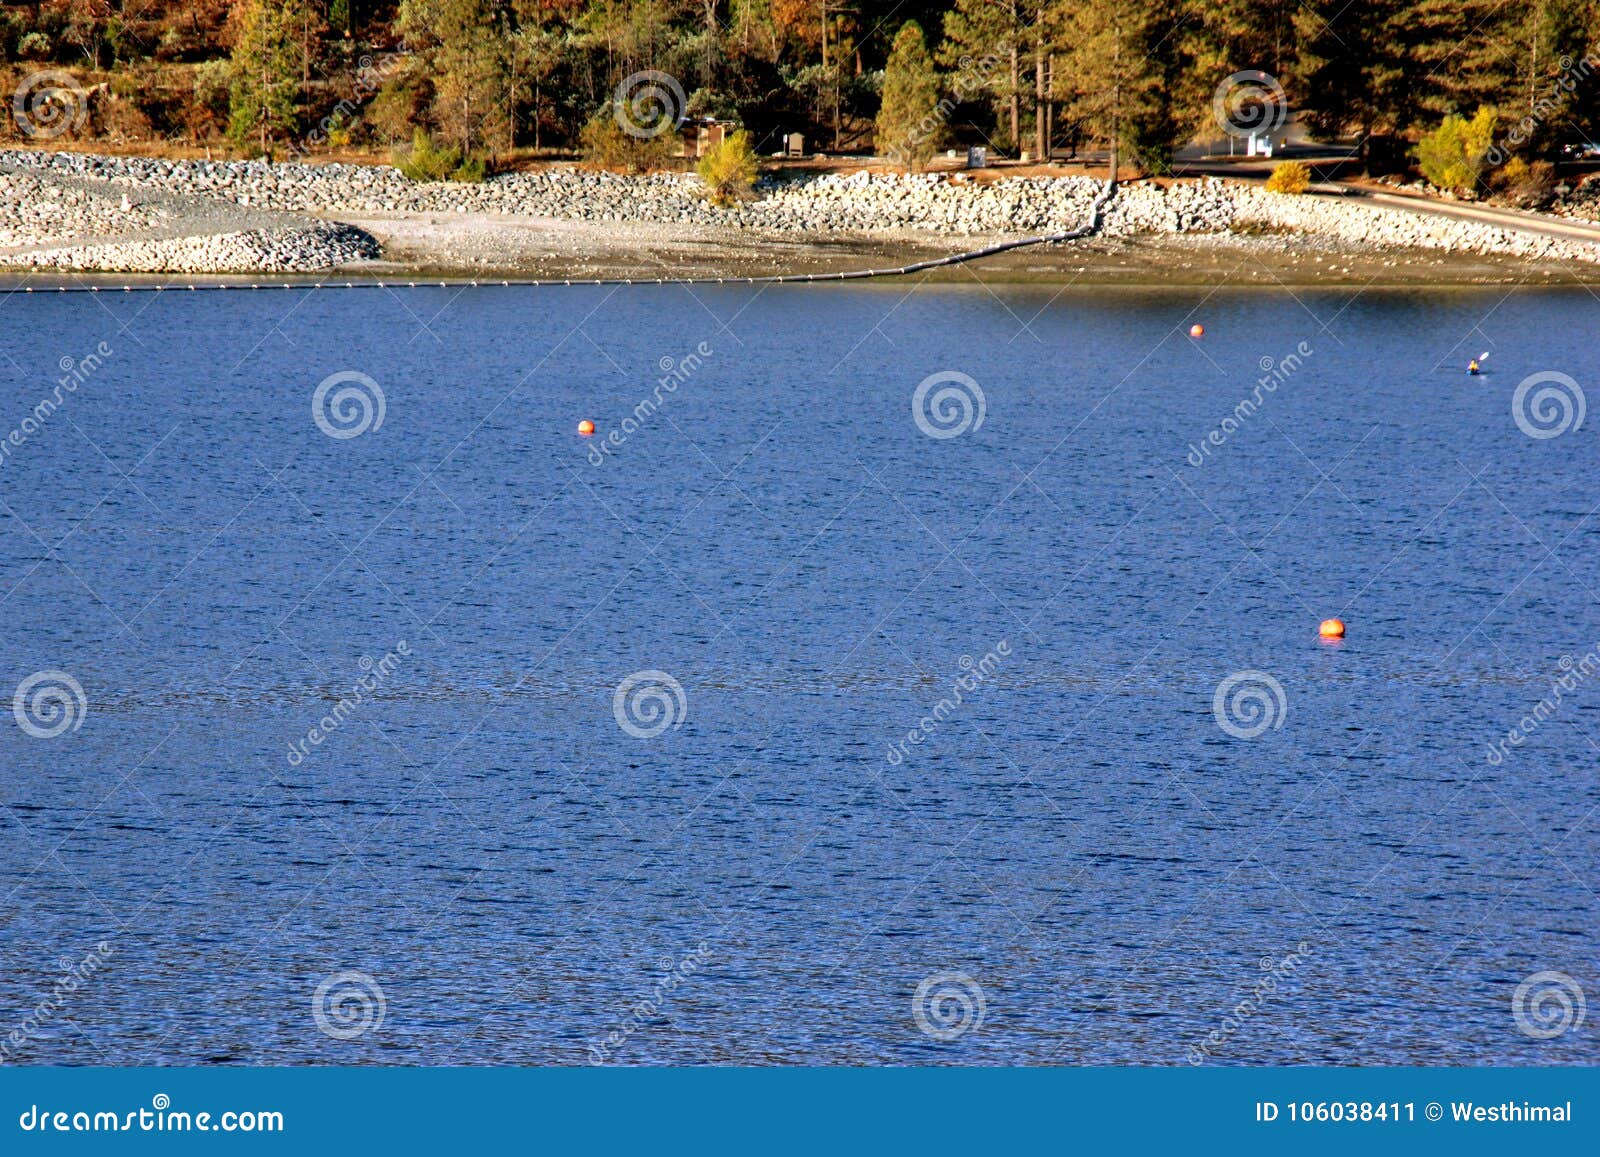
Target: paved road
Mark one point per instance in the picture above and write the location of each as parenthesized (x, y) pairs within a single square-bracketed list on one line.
[(1539, 223)]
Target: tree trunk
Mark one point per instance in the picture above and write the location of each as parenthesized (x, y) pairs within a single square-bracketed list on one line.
[(711, 43), (1039, 65), (265, 96), (1050, 108), (1016, 98), (1116, 108)]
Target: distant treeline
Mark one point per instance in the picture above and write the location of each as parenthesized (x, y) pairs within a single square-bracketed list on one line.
[(491, 77)]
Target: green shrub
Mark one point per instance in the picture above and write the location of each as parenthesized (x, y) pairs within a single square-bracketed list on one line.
[(170, 46), (396, 108), (470, 171), (1509, 175), (33, 46), (1289, 177), (606, 145), (1451, 156), (730, 169), (425, 161), (206, 108), (1530, 186)]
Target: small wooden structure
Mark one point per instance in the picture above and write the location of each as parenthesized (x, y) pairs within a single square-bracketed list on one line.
[(704, 134)]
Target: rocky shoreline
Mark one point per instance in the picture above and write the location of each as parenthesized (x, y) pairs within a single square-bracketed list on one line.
[(82, 212), (325, 245)]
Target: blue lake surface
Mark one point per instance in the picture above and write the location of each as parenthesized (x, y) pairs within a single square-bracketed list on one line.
[(1075, 863)]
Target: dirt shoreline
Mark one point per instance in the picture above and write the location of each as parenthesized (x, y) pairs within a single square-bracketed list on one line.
[(454, 246), (464, 248)]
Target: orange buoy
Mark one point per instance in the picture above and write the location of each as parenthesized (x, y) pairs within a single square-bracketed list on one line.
[(1331, 629), (1197, 330), (586, 427)]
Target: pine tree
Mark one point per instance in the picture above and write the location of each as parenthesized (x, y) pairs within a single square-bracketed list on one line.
[(1350, 73), (1457, 56), (1554, 91), (909, 121), (1227, 37), (985, 44), (1124, 68), (465, 52), (264, 90)]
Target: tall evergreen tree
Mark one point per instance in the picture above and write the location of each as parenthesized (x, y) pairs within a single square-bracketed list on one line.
[(266, 68), (1350, 76), (1226, 37), (985, 46), (464, 45), (1124, 68), (1456, 56), (909, 122), (1140, 74), (1555, 92)]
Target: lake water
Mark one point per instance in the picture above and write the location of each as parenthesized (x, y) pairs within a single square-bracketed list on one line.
[(477, 862)]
